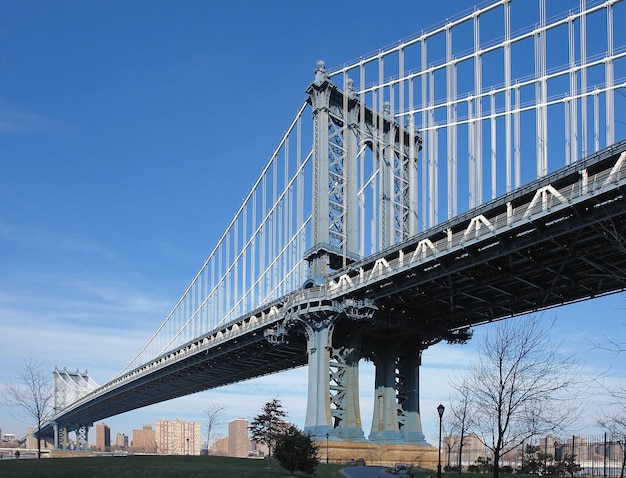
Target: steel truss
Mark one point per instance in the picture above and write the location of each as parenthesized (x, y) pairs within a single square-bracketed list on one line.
[(343, 128)]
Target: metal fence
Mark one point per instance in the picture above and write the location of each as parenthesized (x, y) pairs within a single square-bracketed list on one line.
[(601, 455)]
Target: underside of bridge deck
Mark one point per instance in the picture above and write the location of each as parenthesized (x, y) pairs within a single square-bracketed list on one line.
[(572, 253)]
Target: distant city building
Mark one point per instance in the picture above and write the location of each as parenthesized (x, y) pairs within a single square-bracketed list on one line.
[(259, 449), (103, 437), (9, 440), (177, 437), (121, 440), (472, 449), (238, 438), (144, 440), (220, 446)]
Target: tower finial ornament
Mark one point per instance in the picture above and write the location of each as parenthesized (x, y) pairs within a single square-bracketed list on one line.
[(320, 72)]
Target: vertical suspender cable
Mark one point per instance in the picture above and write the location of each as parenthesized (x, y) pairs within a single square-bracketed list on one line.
[(478, 113), (507, 96), (426, 145), (494, 191), (609, 102), (583, 76), (451, 126), (433, 192), (573, 92)]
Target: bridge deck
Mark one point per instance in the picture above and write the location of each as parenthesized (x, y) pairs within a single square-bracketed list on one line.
[(519, 259), (511, 256)]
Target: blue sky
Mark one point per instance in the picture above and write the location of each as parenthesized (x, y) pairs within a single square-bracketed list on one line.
[(130, 132)]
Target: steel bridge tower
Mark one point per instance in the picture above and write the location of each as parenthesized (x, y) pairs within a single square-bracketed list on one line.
[(344, 127), (68, 388)]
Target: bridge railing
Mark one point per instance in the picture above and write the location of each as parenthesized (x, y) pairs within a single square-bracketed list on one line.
[(541, 197)]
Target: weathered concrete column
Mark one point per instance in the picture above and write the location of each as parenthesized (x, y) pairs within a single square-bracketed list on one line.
[(396, 407), (385, 428), (408, 388), (318, 417), (60, 436)]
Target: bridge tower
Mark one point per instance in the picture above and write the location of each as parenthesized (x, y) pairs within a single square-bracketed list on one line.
[(344, 128), (69, 387)]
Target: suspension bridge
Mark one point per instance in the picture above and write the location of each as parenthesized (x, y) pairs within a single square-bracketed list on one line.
[(468, 174)]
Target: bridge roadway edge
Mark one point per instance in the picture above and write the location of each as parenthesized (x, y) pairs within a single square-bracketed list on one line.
[(199, 377), (517, 240)]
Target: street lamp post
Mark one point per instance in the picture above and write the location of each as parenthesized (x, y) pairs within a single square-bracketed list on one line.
[(327, 448), (440, 410)]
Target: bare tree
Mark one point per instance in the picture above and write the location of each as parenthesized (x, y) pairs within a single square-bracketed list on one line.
[(213, 421), (614, 423), (32, 396), (449, 440), (459, 417), (521, 386), (615, 426), (612, 345)]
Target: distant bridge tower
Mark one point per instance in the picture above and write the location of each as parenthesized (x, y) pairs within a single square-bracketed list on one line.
[(344, 128), (69, 387)]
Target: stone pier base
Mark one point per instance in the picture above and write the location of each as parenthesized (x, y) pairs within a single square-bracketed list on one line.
[(377, 454)]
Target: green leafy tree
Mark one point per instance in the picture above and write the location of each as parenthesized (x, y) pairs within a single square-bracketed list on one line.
[(268, 424), (531, 463), (544, 458), (481, 465), (296, 451), (567, 466), (535, 460)]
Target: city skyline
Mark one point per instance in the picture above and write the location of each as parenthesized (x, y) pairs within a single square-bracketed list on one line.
[(115, 149)]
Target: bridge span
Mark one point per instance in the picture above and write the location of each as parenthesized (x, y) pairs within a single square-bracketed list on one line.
[(558, 240), (408, 202)]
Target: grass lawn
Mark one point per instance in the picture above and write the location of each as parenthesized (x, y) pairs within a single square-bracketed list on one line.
[(153, 467)]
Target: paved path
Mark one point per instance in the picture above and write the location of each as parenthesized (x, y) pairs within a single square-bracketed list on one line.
[(366, 472)]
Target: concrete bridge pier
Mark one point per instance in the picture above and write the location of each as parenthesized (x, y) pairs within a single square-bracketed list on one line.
[(344, 392), (82, 437), (60, 436), (318, 418), (396, 418), (385, 427), (408, 387), (333, 385)]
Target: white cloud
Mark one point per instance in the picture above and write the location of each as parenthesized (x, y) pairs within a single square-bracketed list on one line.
[(15, 120)]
